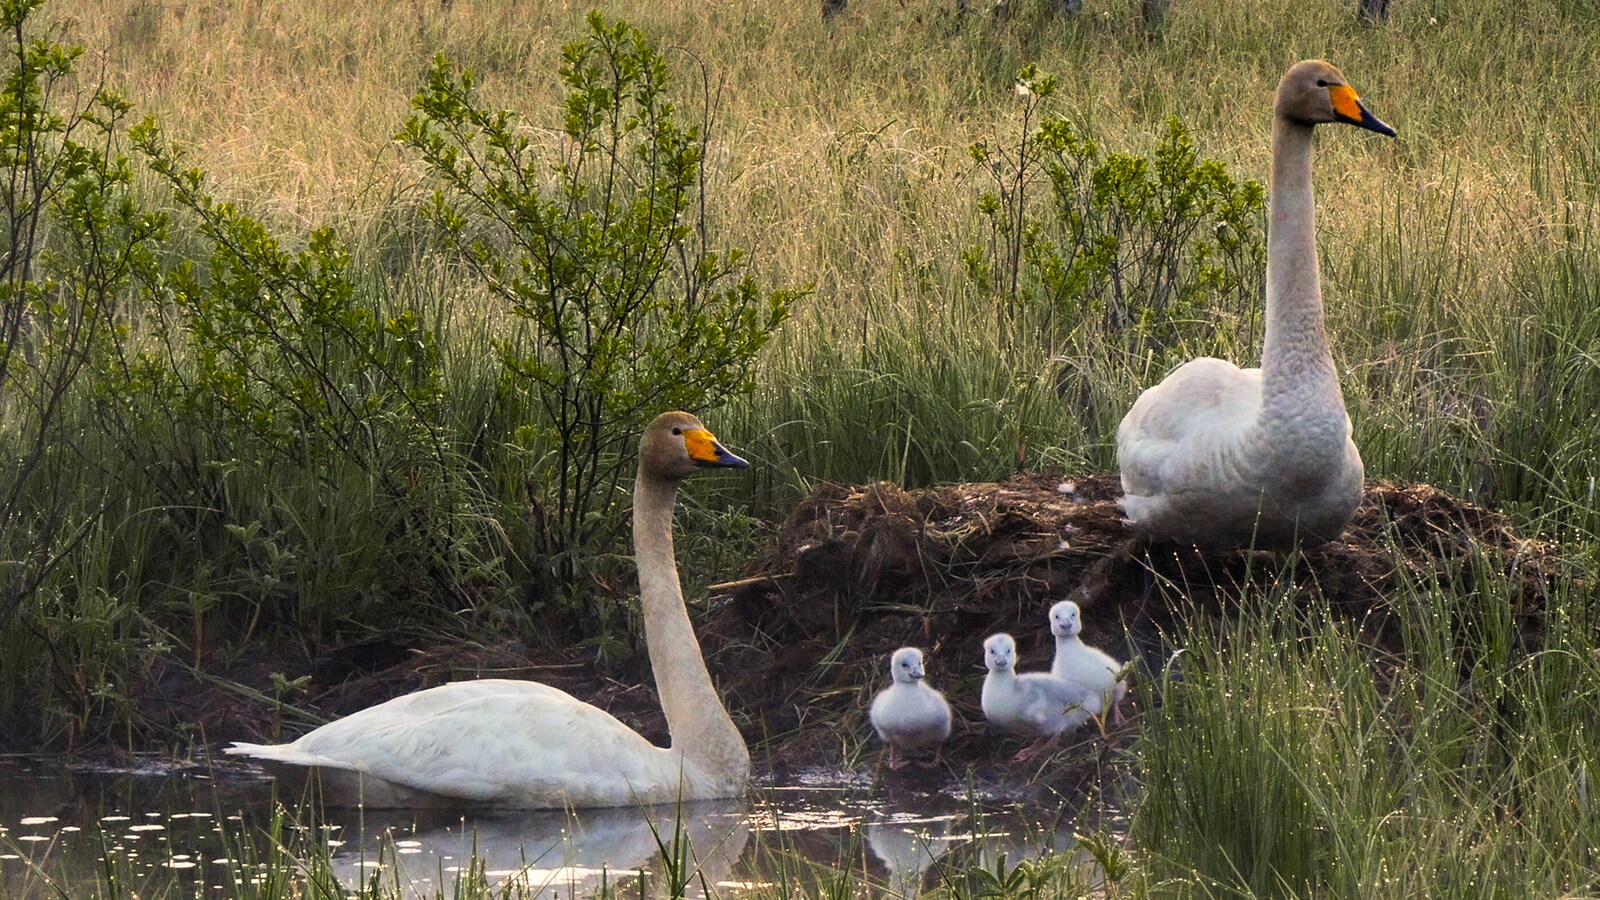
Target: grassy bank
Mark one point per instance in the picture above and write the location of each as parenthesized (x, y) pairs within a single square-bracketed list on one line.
[(155, 527), (1458, 259)]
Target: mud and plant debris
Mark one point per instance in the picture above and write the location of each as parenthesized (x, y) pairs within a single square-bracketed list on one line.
[(266, 696), (858, 570), (800, 641)]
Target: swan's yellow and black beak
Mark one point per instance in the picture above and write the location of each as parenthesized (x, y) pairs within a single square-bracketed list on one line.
[(706, 452), (1349, 108)]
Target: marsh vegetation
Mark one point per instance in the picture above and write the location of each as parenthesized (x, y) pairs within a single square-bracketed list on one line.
[(326, 362)]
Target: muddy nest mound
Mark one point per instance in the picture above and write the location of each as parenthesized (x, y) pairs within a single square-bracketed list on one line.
[(857, 571)]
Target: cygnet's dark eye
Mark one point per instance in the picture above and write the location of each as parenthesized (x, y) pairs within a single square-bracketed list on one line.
[(676, 430), (1322, 82)]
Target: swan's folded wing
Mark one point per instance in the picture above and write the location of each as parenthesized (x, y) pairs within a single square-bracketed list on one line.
[(491, 741), (1049, 698), (1184, 424)]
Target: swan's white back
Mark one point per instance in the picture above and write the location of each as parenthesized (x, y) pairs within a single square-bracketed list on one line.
[(493, 741)]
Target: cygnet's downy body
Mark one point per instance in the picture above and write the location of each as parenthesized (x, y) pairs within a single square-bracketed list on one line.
[(1039, 705), (1078, 662), (909, 715)]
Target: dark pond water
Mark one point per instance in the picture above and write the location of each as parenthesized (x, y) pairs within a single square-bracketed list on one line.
[(204, 832)]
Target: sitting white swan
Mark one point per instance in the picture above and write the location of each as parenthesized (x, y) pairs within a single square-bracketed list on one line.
[(1223, 457), (909, 714), (1081, 663), (1034, 704), (507, 743)]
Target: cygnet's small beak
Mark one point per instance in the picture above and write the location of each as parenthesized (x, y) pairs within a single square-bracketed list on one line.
[(916, 674)]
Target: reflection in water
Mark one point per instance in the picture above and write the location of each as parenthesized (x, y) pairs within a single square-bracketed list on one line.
[(201, 832), (544, 852), (908, 845)]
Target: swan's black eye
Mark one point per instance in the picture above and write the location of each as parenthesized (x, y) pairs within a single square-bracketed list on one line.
[(1321, 82), (677, 431)]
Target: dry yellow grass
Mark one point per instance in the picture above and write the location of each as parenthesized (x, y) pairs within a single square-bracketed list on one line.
[(842, 143), (840, 157)]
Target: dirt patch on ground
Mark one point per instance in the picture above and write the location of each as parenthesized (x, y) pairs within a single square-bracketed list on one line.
[(800, 642), (278, 695), (857, 571)]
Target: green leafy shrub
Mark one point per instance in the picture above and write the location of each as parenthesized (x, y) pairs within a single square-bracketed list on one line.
[(71, 235), (293, 421), (595, 237), (1149, 255)]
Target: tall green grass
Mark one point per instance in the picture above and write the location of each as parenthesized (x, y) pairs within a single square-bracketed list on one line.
[(1282, 756)]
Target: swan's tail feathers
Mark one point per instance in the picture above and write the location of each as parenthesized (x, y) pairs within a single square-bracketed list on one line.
[(282, 753)]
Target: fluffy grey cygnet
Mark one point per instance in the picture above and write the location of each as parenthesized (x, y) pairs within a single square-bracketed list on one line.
[(909, 714)]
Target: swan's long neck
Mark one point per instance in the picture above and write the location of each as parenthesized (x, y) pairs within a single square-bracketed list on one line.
[(1299, 380), (699, 725)]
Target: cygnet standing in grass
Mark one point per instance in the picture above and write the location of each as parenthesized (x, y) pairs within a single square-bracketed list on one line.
[(909, 714), (1079, 662), (1034, 704)]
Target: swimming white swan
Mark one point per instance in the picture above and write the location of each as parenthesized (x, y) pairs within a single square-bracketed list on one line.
[(1081, 663), (909, 714), (1223, 457), (522, 744), (1039, 705)]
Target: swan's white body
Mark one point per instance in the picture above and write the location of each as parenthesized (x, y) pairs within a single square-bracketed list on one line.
[(498, 742), (909, 715), (492, 742), (1078, 662), (1226, 457), (1039, 705)]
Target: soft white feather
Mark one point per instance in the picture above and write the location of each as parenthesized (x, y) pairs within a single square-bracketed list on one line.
[(1034, 704), (495, 741), (909, 714), (1080, 662)]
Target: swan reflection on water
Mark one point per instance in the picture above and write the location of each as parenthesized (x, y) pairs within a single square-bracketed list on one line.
[(903, 845), (188, 833), (541, 852), (908, 845)]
